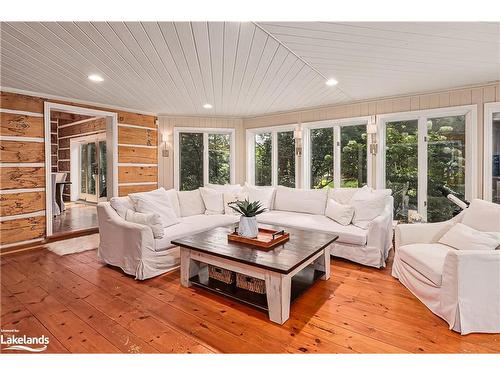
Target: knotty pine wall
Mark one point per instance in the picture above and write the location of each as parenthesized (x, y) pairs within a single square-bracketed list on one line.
[(22, 168), (447, 98), (166, 127)]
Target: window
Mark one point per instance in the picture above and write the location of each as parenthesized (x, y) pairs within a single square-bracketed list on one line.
[(286, 159), (423, 151), (271, 156), (321, 158), (203, 156), (219, 165), (336, 153), (263, 159), (445, 164), (401, 160), (492, 152), (191, 161), (353, 156)]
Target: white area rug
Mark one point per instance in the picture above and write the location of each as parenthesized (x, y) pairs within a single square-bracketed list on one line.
[(74, 245)]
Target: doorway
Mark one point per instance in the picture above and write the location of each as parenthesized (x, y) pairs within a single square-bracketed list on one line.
[(89, 165), (81, 156)]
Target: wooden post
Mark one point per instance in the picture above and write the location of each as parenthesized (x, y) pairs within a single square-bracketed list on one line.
[(278, 288)]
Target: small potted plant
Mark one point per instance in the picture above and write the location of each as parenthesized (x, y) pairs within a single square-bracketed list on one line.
[(248, 221)]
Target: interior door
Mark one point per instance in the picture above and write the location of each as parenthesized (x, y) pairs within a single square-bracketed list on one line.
[(89, 172)]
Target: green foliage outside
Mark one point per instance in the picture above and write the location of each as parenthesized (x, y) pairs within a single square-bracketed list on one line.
[(263, 154), (191, 160), (445, 165), (321, 158), (286, 159), (219, 149), (353, 156)]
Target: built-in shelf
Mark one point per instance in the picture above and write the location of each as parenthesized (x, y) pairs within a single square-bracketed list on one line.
[(302, 281)]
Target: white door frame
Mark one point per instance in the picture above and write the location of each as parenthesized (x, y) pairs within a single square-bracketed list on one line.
[(489, 109), (75, 160), (470, 113), (111, 141)]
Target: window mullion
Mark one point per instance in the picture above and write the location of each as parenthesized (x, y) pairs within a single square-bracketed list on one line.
[(205, 158), (336, 156), (274, 158), (422, 167)]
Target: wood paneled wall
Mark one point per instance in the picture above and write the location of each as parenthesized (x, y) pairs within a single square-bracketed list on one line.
[(22, 168), (166, 127), (448, 98)]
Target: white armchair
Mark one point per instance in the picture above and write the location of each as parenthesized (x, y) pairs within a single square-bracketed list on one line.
[(460, 286)]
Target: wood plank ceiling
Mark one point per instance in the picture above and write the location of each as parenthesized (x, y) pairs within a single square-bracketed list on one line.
[(243, 69)]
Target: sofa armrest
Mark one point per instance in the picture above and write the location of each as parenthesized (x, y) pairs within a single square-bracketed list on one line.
[(420, 233), (120, 239), (380, 229), (471, 290)]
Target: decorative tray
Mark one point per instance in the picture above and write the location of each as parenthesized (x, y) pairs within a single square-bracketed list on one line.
[(266, 238)]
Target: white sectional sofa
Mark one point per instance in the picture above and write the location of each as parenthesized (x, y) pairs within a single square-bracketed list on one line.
[(133, 248)]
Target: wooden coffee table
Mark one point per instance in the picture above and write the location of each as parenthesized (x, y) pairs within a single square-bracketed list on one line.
[(288, 270)]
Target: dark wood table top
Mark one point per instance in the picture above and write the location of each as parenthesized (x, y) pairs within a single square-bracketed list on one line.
[(283, 259)]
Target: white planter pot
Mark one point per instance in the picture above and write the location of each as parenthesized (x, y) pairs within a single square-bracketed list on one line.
[(248, 227)]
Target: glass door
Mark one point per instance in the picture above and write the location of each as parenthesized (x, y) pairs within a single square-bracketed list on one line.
[(93, 171)]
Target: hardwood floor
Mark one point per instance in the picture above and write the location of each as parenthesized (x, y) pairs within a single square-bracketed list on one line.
[(77, 216), (86, 307)]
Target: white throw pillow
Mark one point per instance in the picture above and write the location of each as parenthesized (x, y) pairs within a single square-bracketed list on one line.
[(367, 205), (341, 213), (191, 203), (463, 237), (214, 201), (263, 194), (152, 220), (121, 205), (174, 201), (156, 201), (309, 201), (483, 216), (232, 197)]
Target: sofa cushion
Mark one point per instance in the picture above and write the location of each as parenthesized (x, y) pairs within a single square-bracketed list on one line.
[(192, 225), (156, 201), (263, 194), (174, 201), (463, 237), (483, 216), (342, 195), (368, 204), (319, 223), (190, 203), (341, 213), (213, 200), (152, 220), (121, 205), (225, 188), (308, 201), (230, 197), (426, 259)]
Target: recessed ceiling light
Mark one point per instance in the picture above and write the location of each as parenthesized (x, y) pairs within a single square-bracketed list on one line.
[(207, 106), (95, 78), (331, 82)]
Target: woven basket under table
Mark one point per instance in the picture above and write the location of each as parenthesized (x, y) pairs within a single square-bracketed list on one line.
[(221, 274), (250, 283)]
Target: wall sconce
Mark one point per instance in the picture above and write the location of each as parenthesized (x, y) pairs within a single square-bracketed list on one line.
[(371, 130), (164, 143), (297, 135)]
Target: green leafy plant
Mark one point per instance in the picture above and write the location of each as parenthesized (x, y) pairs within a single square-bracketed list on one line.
[(247, 208)]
